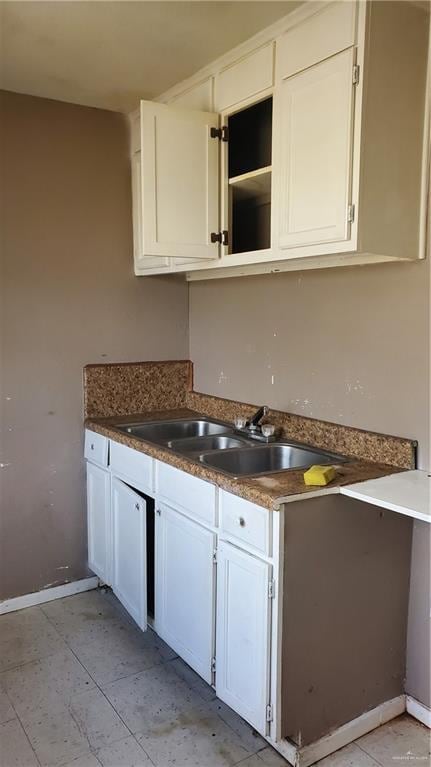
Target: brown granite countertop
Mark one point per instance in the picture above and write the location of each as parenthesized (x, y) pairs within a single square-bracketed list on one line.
[(269, 491)]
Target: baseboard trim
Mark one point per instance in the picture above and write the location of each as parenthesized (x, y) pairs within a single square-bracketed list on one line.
[(48, 595), (418, 710), (308, 755)]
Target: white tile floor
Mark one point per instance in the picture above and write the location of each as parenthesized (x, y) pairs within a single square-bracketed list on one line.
[(81, 686)]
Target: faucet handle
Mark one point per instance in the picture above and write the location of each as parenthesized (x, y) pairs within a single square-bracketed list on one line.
[(240, 422), (268, 429)]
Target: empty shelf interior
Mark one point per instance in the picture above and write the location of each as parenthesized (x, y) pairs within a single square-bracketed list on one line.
[(250, 138), (255, 184), (251, 222)]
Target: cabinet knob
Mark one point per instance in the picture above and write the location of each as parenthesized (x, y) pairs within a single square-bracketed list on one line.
[(137, 506), (158, 512), (92, 446), (241, 522)]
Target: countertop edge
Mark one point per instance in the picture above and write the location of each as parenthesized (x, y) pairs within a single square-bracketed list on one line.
[(249, 489), (383, 492)]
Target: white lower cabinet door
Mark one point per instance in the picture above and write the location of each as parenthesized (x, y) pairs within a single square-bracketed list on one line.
[(185, 588), (129, 571), (99, 521), (243, 634)]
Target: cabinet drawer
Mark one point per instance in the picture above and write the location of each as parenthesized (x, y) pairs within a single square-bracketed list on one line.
[(327, 32), (96, 448), (132, 466), (183, 491), (245, 78), (246, 523)]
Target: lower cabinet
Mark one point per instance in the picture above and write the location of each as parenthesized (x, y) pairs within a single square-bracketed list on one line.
[(99, 521), (129, 550), (185, 590), (243, 633), (210, 598)]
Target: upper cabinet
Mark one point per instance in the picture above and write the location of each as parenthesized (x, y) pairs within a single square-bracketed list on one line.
[(303, 148)]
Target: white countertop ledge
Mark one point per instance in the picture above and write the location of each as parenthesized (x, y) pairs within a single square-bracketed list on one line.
[(407, 493)]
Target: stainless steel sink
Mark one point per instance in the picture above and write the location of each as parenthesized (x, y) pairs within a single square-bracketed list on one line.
[(217, 445), (202, 444), (267, 459), (163, 432)]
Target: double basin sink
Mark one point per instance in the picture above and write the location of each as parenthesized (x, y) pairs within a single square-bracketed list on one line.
[(220, 447)]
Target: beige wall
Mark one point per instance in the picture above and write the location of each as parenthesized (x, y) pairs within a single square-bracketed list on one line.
[(68, 297), (345, 345)]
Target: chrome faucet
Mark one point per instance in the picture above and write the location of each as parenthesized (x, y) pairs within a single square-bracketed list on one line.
[(254, 429), (254, 421)]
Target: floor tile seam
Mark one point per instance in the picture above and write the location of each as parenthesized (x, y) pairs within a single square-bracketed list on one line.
[(94, 752), (126, 676), (12, 719), (97, 686), (135, 736), (21, 724), (113, 708), (251, 753), (27, 662), (364, 750), (143, 749), (69, 762), (242, 761)]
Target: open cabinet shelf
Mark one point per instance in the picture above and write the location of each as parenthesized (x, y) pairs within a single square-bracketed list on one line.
[(255, 184)]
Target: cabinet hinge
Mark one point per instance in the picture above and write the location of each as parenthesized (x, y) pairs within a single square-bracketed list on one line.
[(269, 714), (221, 133), (213, 665), (271, 589), (215, 556), (355, 75), (221, 237), (350, 214)]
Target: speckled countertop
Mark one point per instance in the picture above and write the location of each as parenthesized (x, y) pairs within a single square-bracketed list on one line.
[(269, 491)]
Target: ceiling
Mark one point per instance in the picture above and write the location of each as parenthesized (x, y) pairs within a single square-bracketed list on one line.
[(111, 54)]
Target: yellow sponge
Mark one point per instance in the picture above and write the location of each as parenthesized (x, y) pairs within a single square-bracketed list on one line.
[(319, 475)]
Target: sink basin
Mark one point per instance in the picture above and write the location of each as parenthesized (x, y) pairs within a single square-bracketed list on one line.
[(163, 432), (201, 444), (267, 459)]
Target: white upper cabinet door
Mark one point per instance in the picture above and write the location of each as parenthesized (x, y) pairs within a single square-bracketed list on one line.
[(243, 633), (185, 588), (315, 153), (99, 521), (129, 571), (141, 261), (180, 180)]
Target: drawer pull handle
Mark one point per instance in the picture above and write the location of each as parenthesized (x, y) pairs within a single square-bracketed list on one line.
[(241, 522)]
